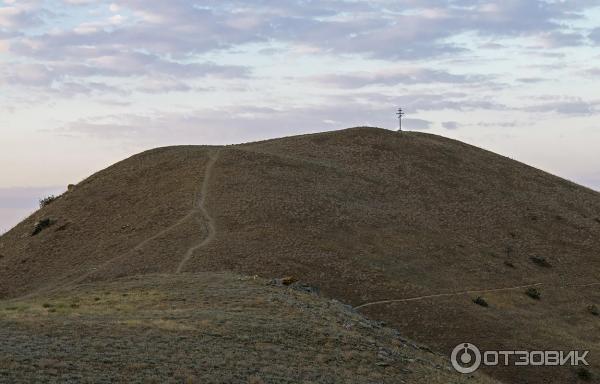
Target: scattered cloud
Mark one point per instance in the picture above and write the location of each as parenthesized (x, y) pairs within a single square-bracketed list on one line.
[(405, 76), (450, 125), (575, 107), (530, 80), (416, 124), (244, 123), (595, 35)]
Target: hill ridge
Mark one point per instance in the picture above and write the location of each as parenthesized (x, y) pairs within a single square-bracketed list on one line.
[(412, 221)]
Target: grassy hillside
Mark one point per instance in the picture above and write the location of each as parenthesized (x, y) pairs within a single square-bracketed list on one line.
[(204, 328), (411, 227)]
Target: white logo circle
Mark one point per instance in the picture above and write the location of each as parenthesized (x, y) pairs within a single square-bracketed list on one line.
[(469, 359)]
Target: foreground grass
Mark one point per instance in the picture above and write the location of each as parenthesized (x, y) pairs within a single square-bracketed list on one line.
[(203, 328)]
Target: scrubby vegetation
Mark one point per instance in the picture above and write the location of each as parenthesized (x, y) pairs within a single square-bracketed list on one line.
[(540, 261), (47, 200), (584, 374), (41, 225), (533, 293), (481, 301)]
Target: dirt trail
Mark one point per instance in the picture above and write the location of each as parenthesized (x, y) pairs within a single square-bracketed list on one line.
[(197, 208), (446, 295), (467, 293), (201, 208)]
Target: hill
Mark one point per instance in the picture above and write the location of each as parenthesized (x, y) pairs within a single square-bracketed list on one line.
[(409, 228)]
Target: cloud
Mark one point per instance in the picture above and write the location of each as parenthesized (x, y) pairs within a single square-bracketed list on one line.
[(531, 80), (399, 30), (161, 75), (127, 63), (28, 74), (576, 107), (394, 77), (500, 124), (595, 35), (558, 39), (450, 125), (594, 72), (416, 124), (17, 15), (227, 125), (125, 47), (457, 101), (172, 38)]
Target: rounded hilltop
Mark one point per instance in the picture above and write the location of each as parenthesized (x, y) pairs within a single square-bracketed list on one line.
[(413, 227)]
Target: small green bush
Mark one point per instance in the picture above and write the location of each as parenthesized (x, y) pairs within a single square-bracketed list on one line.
[(481, 301), (584, 374), (533, 293), (542, 262), (41, 225), (47, 200)]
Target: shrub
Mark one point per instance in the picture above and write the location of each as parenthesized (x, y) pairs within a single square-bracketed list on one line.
[(41, 225), (541, 262), (584, 374), (481, 301), (533, 293), (47, 200)]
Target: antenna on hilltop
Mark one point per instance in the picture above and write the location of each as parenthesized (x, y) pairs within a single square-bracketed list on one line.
[(400, 113)]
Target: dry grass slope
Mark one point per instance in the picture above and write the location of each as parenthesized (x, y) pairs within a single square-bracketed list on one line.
[(366, 215), (204, 328)]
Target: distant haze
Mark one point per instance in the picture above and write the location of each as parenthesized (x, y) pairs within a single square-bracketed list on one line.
[(18, 203)]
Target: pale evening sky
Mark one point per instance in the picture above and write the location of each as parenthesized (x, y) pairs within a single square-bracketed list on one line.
[(84, 83)]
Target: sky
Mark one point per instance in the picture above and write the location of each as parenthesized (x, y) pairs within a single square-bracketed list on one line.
[(84, 84)]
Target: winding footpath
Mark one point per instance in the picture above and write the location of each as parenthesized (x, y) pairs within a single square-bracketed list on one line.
[(200, 207), (417, 298)]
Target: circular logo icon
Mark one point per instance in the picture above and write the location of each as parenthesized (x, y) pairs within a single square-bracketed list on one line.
[(466, 358)]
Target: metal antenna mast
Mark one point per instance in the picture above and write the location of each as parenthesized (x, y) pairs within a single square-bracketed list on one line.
[(400, 113)]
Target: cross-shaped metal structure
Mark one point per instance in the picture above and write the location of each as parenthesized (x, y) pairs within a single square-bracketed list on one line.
[(400, 113)]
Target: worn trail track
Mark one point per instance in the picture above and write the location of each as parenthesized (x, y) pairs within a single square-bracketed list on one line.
[(198, 208), (470, 292)]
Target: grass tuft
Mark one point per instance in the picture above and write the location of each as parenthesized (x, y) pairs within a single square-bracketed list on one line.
[(533, 293), (47, 200), (540, 261), (584, 374), (481, 301)]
